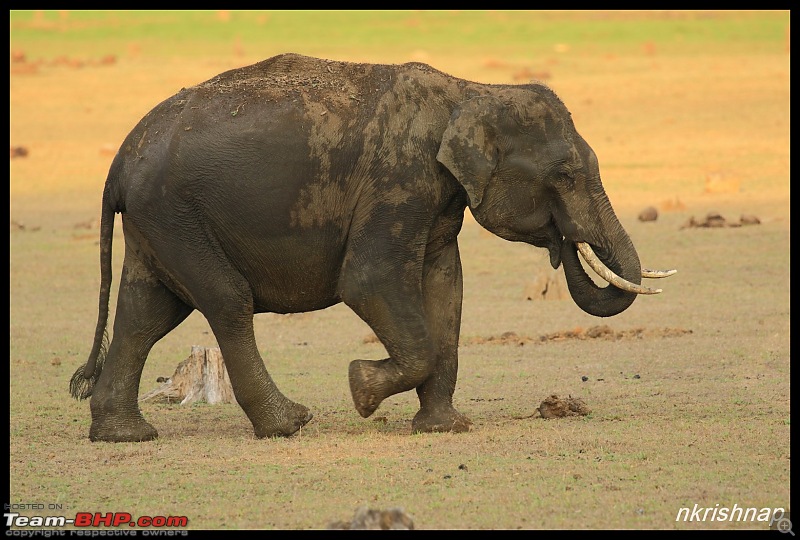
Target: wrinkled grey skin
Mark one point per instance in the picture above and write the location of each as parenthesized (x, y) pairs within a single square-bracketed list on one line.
[(297, 183)]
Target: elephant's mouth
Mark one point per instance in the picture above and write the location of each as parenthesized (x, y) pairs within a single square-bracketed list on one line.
[(553, 241)]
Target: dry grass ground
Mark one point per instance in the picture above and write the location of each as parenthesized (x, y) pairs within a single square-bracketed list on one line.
[(701, 417)]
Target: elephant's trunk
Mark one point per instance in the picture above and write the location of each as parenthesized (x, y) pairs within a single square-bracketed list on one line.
[(619, 266)]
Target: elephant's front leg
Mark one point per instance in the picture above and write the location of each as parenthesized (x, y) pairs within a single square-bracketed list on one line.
[(442, 289), (416, 314)]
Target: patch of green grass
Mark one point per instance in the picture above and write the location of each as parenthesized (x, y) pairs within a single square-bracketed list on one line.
[(527, 32)]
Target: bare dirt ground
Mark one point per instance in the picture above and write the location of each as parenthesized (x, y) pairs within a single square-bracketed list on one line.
[(689, 390)]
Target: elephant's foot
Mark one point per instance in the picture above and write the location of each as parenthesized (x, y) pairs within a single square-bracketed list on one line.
[(125, 429), (440, 420), (288, 420), (366, 380)]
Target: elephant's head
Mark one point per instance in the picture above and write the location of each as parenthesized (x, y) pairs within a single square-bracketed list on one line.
[(531, 177)]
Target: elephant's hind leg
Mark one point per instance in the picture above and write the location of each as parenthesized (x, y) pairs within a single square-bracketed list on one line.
[(226, 301), (271, 413), (146, 312), (200, 267)]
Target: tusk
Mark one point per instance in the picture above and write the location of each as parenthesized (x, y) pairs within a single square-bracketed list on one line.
[(647, 273), (603, 271)]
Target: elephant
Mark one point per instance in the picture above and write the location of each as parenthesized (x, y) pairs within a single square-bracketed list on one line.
[(297, 183)]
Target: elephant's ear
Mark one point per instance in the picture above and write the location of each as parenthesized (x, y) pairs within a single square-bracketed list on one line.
[(469, 144)]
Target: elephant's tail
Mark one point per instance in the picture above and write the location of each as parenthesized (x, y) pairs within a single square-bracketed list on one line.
[(85, 377)]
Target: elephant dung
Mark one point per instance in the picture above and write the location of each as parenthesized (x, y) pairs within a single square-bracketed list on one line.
[(18, 151), (716, 220), (648, 214), (749, 219), (555, 407)]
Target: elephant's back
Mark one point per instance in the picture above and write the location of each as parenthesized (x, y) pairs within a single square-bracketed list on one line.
[(295, 76), (337, 84)]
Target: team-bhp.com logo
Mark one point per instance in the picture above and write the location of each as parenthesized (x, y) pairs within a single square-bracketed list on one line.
[(95, 519)]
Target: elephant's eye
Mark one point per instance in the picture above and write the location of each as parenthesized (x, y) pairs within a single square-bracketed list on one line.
[(567, 176)]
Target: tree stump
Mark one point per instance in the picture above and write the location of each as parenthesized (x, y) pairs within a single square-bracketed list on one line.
[(201, 377), (549, 285)]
